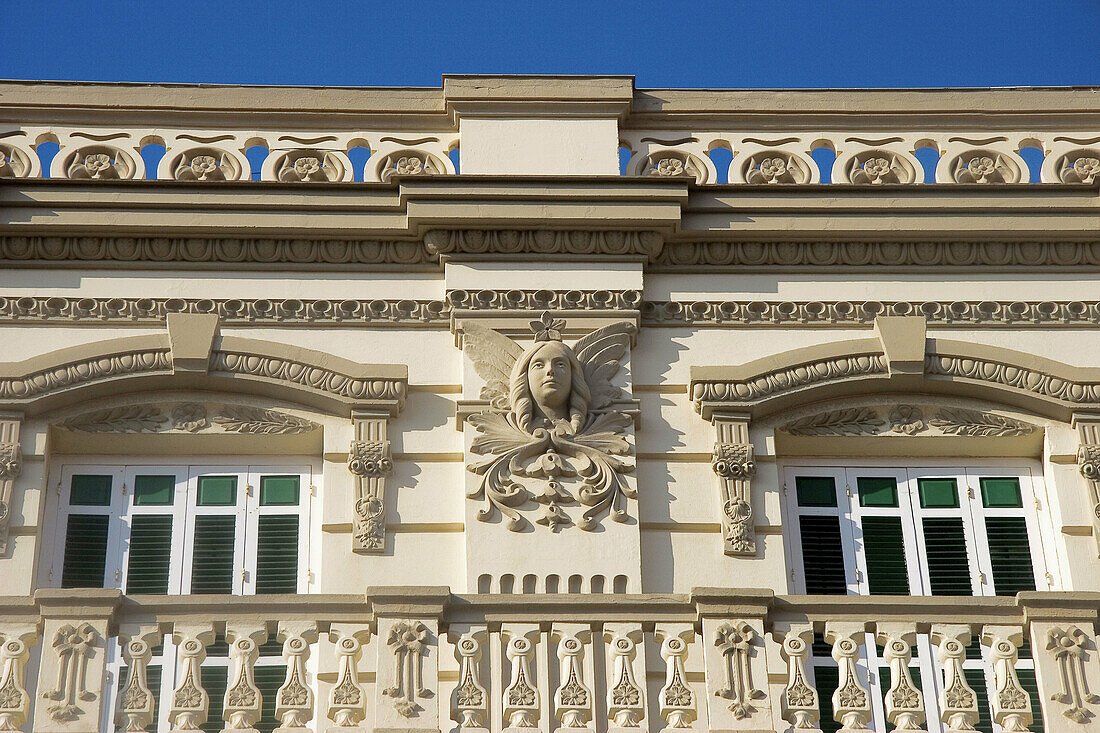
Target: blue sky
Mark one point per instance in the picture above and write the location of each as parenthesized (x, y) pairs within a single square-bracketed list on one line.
[(736, 43)]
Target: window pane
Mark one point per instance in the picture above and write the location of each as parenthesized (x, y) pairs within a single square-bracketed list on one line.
[(945, 546), (279, 490), (154, 490), (90, 490), (212, 554), (217, 490), (85, 551), (822, 555), (277, 554), (1010, 554), (815, 490), (150, 553), (877, 491), (938, 493), (884, 549), (1000, 493)]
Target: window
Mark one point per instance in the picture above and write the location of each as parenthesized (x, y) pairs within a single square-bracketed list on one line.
[(913, 531), (184, 529), (156, 529)]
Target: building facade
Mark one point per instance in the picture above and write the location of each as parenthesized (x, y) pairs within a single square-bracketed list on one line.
[(548, 403)]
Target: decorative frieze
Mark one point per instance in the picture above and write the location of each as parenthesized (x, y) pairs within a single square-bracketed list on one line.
[(553, 425), (189, 417), (544, 300), (903, 419), (1010, 375), (786, 379), (312, 376), (543, 242), (130, 363)]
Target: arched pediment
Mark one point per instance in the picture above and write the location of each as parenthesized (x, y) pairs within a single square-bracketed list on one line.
[(900, 359), (191, 355)]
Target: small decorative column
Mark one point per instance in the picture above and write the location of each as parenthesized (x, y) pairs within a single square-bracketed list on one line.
[(676, 700), (626, 707), (958, 703), (136, 702), (573, 699), (294, 700), (406, 694), (243, 701), (735, 658), (851, 700), (11, 465), (1011, 703), (1088, 460), (470, 702), (16, 639), (369, 461), (800, 705), (72, 672), (522, 701), (734, 464), (347, 700), (904, 702), (190, 703)]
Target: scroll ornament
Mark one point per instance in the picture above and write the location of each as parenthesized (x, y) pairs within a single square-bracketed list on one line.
[(552, 424)]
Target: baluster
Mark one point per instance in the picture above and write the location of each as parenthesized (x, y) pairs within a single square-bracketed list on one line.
[(15, 701), (346, 699), (800, 707), (625, 697), (521, 697), (958, 703), (904, 702), (1011, 703), (243, 701), (573, 698), (471, 699), (851, 701), (137, 702), (190, 703), (676, 698), (294, 700)]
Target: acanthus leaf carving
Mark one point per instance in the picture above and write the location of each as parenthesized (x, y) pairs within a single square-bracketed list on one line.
[(128, 419), (906, 420), (978, 424), (559, 422), (851, 421), (258, 421)]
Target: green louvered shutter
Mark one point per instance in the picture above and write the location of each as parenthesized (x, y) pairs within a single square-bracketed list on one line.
[(277, 554), (150, 554), (268, 680), (212, 554), (976, 679), (85, 551), (1031, 687), (884, 551), (1010, 554), (215, 679), (822, 555), (826, 680), (946, 555)]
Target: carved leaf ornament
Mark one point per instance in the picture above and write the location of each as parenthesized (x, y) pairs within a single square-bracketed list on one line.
[(552, 421)]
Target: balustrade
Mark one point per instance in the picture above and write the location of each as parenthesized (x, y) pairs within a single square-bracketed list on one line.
[(716, 659)]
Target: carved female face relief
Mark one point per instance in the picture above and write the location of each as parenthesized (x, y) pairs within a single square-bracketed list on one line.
[(550, 379)]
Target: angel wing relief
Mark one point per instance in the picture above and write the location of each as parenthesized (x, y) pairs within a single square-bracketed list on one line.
[(552, 438)]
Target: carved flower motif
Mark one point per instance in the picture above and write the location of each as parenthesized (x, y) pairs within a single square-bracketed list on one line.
[(669, 167), (10, 696), (677, 694), (1013, 698), (96, 163), (203, 165), (306, 166), (572, 693), (523, 695), (1087, 169), (906, 419), (187, 697), (958, 696), (1070, 642), (876, 169), (295, 695), (409, 165), (409, 636), (905, 697), (190, 416), (730, 637), (773, 169), (981, 167)]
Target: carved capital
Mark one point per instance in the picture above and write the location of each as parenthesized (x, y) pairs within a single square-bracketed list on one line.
[(1088, 461), (370, 458)]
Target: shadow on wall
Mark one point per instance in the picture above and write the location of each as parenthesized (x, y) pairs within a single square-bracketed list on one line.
[(530, 584)]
